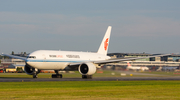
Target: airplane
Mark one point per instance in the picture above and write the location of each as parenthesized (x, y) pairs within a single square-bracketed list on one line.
[(129, 67), (84, 62)]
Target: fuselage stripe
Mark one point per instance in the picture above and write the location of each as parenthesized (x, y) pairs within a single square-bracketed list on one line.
[(51, 61)]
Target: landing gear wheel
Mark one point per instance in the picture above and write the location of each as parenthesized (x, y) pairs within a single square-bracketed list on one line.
[(56, 75), (35, 76), (86, 76)]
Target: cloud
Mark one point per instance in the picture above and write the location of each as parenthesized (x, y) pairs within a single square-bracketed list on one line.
[(17, 28), (35, 18), (22, 23), (150, 26), (135, 25)]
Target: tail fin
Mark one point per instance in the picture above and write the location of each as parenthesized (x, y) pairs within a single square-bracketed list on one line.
[(129, 65), (105, 42)]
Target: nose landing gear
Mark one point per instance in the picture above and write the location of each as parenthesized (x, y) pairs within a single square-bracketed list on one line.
[(35, 76), (36, 71)]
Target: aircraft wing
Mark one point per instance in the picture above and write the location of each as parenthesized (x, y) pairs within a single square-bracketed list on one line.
[(97, 62), (126, 59), (118, 60), (12, 56)]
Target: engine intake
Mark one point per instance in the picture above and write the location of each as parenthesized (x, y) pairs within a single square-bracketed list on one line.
[(87, 69), (30, 70)]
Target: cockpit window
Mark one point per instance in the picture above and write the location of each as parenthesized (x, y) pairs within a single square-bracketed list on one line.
[(31, 57)]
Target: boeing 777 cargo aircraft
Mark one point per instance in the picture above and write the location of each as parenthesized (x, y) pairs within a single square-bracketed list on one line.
[(84, 62)]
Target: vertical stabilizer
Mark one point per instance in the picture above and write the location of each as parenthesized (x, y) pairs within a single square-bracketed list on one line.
[(129, 65), (105, 42)]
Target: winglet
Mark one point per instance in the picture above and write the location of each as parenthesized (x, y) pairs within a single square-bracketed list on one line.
[(105, 42)]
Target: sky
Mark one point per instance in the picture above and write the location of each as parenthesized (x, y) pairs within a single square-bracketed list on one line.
[(150, 26)]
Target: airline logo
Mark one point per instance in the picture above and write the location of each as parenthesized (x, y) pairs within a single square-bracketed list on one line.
[(57, 56), (106, 44), (129, 64)]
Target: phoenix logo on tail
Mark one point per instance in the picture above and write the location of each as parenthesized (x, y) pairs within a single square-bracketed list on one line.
[(106, 44)]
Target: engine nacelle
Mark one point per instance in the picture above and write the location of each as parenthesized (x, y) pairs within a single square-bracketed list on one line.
[(30, 70), (87, 69)]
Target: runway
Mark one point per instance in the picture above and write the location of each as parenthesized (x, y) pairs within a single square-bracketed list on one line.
[(80, 79)]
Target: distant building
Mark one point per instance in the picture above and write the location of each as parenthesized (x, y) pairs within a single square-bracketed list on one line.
[(11, 64)]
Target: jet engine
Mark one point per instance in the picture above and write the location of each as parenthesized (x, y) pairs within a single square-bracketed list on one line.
[(30, 70), (87, 69)]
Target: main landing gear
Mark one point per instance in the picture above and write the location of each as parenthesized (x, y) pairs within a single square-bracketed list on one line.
[(57, 75), (86, 76)]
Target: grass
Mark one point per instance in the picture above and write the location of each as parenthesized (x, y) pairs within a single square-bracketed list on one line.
[(87, 90), (68, 90)]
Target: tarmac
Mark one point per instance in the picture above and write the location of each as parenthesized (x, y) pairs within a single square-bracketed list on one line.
[(93, 79)]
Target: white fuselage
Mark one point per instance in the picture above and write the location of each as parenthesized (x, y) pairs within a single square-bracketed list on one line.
[(58, 60)]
